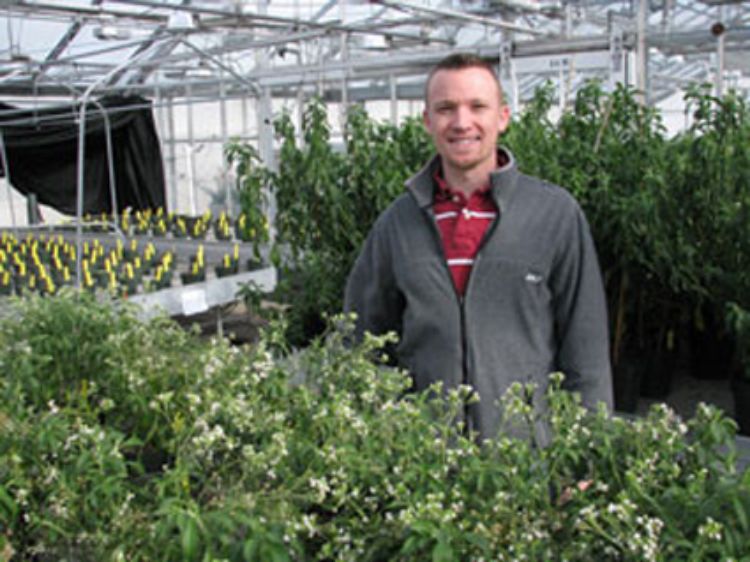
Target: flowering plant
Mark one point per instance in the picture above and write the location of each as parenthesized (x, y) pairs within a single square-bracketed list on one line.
[(125, 439)]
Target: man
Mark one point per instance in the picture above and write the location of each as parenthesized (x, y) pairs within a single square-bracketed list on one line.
[(487, 275)]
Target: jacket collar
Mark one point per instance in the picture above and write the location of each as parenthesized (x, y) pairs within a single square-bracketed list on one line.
[(503, 182)]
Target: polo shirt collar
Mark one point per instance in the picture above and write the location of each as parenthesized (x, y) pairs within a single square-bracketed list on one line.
[(503, 181)]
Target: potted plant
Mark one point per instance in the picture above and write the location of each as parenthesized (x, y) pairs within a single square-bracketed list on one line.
[(5, 285), (162, 278), (738, 322), (197, 269), (222, 227), (199, 228), (142, 222), (179, 227), (711, 344), (228, 266)]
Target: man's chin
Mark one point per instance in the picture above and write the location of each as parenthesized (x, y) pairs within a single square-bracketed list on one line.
[(463, 164)]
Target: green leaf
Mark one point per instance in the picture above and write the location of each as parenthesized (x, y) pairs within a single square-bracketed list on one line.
[(190, 538), (739, 509), (443, 552), (250, 549), (9, 506)]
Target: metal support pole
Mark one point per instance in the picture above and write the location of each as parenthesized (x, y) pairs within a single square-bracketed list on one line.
[(162, 130), (265, 130), (172, 146), (508, 73), (224, 140), (345, 78), (245, 119), (641, 63), (616, 53), (264, 124), (667, 15), (319, 61), (219, 322), (300, 115), (265, 149), (32, 209), (718, 29), (344, 46), (394, 98), (189, 154), (110, 164)]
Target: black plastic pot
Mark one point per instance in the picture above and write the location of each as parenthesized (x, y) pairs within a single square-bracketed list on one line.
[(657, 377), (628, 374), (222, 271), (711, 348), (188, 278), (711, 355), (741, 394)]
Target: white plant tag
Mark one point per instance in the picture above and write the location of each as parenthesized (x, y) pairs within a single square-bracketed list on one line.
[(194, 301)]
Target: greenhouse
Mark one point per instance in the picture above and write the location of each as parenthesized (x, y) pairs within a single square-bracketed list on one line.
[(218, 343)]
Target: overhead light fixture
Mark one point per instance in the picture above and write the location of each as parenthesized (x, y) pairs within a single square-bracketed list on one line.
[(111, 32), (180, 21)]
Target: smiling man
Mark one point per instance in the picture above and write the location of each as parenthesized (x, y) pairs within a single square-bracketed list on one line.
[(487, 275)]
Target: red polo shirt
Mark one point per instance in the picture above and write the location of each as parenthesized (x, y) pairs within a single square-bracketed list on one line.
[(462, 223)]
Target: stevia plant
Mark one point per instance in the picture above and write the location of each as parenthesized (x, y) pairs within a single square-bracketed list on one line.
[(136, 440)]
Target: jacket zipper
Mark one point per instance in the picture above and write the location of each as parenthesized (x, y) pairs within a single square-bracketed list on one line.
[(464, 338), (461, 300)]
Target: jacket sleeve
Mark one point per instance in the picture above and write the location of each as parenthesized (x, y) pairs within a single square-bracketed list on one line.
[(581, 315), (371, 290)]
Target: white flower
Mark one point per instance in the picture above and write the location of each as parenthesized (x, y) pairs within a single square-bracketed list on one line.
[(711, 530), (106, 404), (308, 522), (321, 486), (52, 475)]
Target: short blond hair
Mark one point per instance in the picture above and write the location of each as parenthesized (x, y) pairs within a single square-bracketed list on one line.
[(459, 61)]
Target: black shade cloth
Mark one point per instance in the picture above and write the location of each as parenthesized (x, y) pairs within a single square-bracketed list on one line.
[(42, 151)]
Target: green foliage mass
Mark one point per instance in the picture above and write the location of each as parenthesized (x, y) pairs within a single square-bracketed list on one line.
[(670, 216), (158, 445), (327, 201)]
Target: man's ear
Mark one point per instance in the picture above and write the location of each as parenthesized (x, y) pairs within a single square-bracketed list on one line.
[(504, 117), (426, 120)]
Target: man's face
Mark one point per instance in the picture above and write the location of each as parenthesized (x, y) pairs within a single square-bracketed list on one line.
[(464, 116)]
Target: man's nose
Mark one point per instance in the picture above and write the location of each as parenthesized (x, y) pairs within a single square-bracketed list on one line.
[(461, 117)]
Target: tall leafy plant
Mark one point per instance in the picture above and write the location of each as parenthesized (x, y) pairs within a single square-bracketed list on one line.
[(327, 200), (715, 191), (252, 185), (609, 151)]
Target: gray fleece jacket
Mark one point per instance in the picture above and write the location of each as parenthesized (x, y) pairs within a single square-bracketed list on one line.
[(534, 303)]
